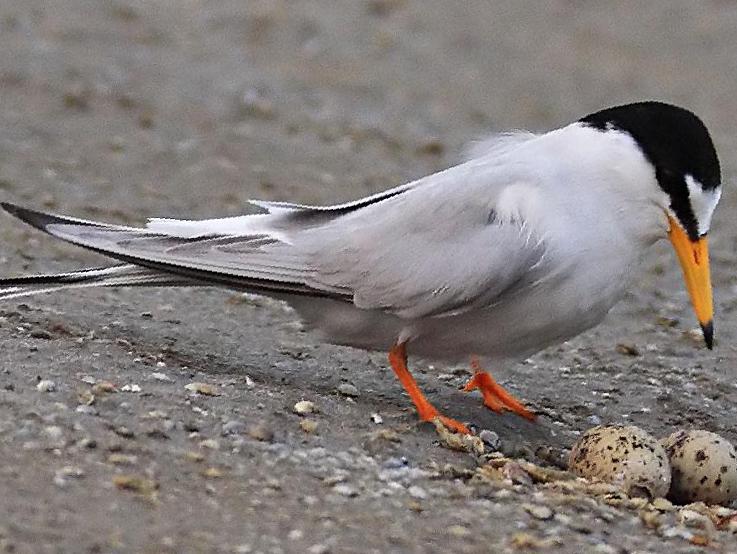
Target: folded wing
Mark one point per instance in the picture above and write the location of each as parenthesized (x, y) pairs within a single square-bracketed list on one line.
[(431, 248)]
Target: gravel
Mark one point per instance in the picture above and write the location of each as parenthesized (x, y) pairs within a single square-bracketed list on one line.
[(121, 111)]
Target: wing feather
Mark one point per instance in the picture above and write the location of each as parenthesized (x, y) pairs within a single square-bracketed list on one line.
[(451, 242)]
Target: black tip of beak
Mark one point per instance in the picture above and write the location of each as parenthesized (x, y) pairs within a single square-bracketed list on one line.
[(708, 330)]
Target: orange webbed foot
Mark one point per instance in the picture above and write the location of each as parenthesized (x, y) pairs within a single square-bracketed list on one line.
[(495, 397), (426, 411)]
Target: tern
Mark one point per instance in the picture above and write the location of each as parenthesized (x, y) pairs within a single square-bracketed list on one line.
[(527, 243)]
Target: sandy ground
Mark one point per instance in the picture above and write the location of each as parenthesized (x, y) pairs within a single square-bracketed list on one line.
[(123, 110)]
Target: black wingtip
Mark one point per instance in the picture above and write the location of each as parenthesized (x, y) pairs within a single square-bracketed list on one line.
[(39, 220), (12, 209), (708, 330)]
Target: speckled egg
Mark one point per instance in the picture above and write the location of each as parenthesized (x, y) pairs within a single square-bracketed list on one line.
[(625, 456), (704, 467)]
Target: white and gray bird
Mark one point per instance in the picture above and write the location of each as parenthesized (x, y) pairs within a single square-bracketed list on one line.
[(526, 244)]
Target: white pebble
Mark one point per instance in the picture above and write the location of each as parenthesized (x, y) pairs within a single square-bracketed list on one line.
[(54, 432), (417, 492), (304, 407), (46, 386), (346, 389), (160, 376), (344, 489)]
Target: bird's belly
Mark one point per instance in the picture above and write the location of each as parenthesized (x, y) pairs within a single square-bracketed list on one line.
[(514, 329), (517, 327), (341, 323)]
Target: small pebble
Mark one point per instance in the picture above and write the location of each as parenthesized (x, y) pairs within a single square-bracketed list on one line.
[(46, 385), (160, 376), (53, 432), (104, 387), (651, 519), (517, 474), (346, 389), (377, 419), (124, 432), (417, 492), (694, 520), (603, 548), (491, 439), (202, 388), (458, 531), (528, 541), (538, 511), (87, 442), (130, 388), (628, 349), (663, 505), (62, 476), (194, 456), (295, 534), (136, 484), (395, 463), (680, 532), (345, 489), (212, 473), (40, 334), (85, 397), (233, 427), (260, 431), (86, 409), (122, 459), (695, 334), (304, 407), (308, 425)]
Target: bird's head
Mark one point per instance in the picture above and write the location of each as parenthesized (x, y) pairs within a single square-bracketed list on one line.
[(678, 145)]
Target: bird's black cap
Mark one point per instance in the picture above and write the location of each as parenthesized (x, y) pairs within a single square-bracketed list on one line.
[(676, 142)]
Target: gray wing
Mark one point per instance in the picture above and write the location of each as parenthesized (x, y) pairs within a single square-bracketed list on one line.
[(435, 251), (431, 248), (255, 261)]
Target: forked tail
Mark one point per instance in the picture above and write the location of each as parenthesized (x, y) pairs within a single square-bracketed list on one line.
[(123, 275)]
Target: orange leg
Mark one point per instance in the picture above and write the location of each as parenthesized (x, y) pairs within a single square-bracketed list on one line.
[(495, 397), (426, 411)]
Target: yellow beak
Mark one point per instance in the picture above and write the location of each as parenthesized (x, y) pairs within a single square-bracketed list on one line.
[(694, 258)]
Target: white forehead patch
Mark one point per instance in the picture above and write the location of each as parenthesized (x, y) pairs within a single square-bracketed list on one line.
[(703, 203)]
